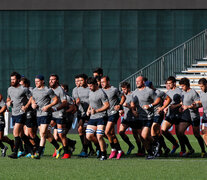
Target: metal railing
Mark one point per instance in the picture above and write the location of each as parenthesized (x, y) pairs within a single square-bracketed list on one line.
[(172, 62)]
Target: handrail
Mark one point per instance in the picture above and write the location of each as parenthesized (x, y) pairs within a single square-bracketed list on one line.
[(175, 60)]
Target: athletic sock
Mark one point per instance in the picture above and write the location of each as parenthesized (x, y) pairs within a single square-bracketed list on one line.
[(40, 149), (170, 137), (162, 142), (55, 144), (65, 148), (17, 143), (97, 146), (201, 143), (90, 146), (82, 139), (126, 139), (1, 145), (187, 143), (117, 146), (112, 145), (27, 144), (70, 142), (37, 141)]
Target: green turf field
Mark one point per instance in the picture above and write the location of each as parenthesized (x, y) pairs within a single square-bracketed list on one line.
[(129, 167)]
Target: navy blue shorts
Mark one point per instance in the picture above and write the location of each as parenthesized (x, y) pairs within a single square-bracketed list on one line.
[(131, 124), (31, 120), (194, 122), (43, 120), (173, 120), (113, 118), (158, 119), (144, 123), (21, 119), (59, 120), (96, 122)]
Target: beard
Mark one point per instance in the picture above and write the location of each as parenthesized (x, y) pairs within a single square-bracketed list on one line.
[(14, 84)]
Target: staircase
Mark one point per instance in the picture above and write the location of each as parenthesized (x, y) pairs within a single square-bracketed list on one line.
[(186, 60)]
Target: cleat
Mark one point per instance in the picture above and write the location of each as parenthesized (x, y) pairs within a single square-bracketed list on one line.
[(167, 151), (91, 153), (182, 154), (37, 156), (66, 156), (13, 156), (203, 154), (120, 154), (83, 154), (113, 154), (175, 147), (190, 152), (103, 158), (98, 153), (58, 151), (130, 150), (29, 155), (43, 151), (54, 154), (156, 148), (3, 151), (150, 156), (21, 153)]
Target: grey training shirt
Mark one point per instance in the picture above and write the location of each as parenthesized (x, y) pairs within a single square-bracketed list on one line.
[(83, 95), (175, 96), (113, 95), (42, 98), (128, 116), (162, 96), (19, 96), (60, 93), (203, 99), (189, 98), (96, 100), (143, 97)]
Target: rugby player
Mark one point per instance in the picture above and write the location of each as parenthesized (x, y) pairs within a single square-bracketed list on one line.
[(41, 101), (189, 116), (17, 99), (129, 121), (83, 102), (98, 72), (112, 116), (98, 104), (142, 108), (172, 112), (161, 97)]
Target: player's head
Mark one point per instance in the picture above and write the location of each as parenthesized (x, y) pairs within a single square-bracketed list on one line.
[(39, 81), (105, 82), (171, 82), (92, 84), (125, 87), (24, 82), (53, 81), (203, 84), (184, 83), (65, 87), (15, 79), (83, 80), (98, 72), (77, 81), (140, 82)]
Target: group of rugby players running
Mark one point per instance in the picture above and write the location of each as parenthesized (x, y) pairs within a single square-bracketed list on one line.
[(98, 106)]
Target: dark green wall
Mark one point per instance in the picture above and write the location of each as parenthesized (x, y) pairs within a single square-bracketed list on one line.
[(72, 42)]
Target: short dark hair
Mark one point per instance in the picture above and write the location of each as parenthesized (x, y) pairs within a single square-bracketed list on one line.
[(16, 74), (145, 79), (77, 76), (98, 78), (84, 76), (185, 81), (171, 78), (125, 84), (65, 87), (98, 70), (107, 78), (26, 81), (202, 81), (92, 80), (55, 75)]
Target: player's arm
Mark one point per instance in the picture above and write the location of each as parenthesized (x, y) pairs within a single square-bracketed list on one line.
[(117, 107), (3, 109), (134, 109), (165, 105), (54, 102), (24, 108)]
